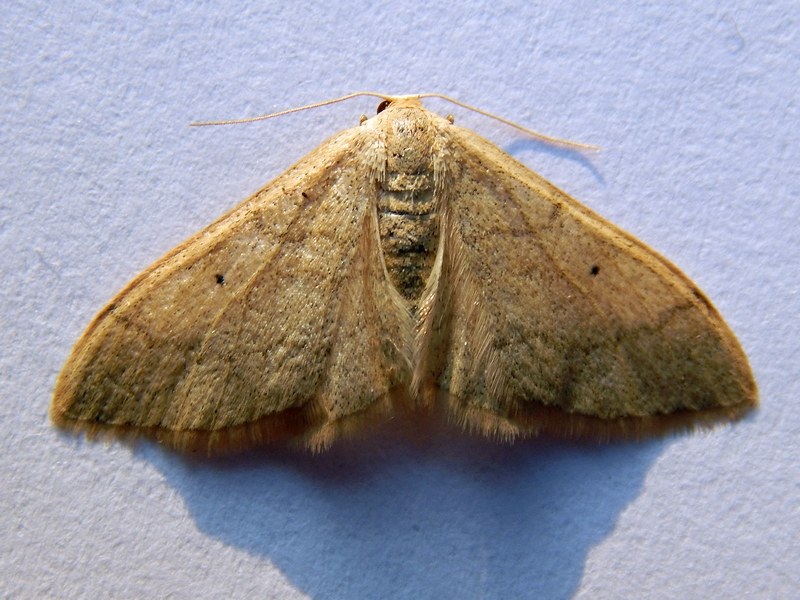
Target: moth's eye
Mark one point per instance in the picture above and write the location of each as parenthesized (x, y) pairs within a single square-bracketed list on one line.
[(383, 105)]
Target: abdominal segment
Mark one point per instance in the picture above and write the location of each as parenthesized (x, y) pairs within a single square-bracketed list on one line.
[(408, 224)]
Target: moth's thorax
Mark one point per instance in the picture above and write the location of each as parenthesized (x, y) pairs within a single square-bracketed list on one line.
[(407, 202)]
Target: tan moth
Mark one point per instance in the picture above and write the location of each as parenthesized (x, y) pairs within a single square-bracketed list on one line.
[(405, 263)]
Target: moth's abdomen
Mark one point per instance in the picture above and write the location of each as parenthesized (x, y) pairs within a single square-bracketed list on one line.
[(407, 202), (409, 230)]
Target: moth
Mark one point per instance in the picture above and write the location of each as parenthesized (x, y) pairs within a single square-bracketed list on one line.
[(405, 264)]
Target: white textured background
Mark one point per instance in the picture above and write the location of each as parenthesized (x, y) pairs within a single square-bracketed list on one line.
[(696, 106)]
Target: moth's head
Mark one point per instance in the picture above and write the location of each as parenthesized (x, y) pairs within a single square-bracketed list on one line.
[(399, 102), (393, 111), (407, 133)]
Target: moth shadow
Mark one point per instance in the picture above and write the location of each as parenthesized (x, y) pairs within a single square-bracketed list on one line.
[(581, 158), (426, 513)]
